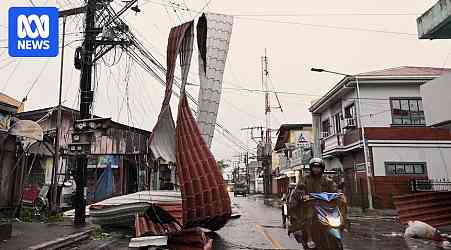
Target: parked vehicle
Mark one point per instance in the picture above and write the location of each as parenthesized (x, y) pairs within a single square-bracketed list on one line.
[(240, 189), (327, 222)]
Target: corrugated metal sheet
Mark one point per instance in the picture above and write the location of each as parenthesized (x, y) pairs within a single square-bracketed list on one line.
[(213, 38), (206, 202), (433, 208), (162, 140)]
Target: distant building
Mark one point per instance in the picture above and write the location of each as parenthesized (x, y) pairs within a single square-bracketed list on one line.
[(292, 152)]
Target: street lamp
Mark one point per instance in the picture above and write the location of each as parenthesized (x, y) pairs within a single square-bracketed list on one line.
[(362, 129)]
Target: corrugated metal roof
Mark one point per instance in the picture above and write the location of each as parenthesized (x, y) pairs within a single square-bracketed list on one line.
[(162, 140)]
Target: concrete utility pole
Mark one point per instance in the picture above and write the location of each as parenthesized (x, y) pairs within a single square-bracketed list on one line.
[(266, 163)]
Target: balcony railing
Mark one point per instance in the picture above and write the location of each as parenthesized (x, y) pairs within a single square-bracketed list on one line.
[(430, 185), (333, 142)]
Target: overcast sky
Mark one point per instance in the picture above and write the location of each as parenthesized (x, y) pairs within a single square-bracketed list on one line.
[(350, 36)]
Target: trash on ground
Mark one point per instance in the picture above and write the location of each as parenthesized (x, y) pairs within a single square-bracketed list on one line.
[(419, 229), (148, 241)]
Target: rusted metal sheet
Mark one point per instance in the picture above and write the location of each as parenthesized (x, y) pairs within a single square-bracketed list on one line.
[(190, 239), (433, 208), (162, 140)]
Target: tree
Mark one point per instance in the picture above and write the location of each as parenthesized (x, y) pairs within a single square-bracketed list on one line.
[(221, 165)]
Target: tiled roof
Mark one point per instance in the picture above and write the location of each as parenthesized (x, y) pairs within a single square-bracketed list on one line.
[(408, 71)]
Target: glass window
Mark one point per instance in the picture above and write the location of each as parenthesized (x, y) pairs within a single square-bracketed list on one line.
[(420, 169), (390, 169), (407, 111), (409, 169), (350, 111), (405, 168), (400, 169), (325, 126)]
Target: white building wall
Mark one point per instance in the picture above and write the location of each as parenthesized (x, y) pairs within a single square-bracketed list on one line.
[(437, 100), (377, 113), (438, 159), (375, 104)]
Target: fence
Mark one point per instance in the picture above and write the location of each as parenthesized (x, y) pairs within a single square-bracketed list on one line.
[(430, 185)]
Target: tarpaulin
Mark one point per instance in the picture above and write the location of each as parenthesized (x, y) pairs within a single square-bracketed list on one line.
[(104, 185)]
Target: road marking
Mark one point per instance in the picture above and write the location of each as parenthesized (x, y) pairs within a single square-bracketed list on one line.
[(275, 244)]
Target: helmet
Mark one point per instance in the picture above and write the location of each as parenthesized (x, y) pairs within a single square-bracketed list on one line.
[(317, 162)]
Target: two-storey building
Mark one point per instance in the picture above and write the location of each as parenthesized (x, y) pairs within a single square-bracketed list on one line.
[(291, 153), (400, 146)]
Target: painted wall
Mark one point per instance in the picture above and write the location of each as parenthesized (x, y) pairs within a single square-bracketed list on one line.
[(377, 113), (437, 159), (375, 103), (436, 96)]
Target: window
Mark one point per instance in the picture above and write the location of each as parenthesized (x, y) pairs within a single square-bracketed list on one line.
[(325, 128), (350, 111), (337, 123), (407, 111), (405, 168)]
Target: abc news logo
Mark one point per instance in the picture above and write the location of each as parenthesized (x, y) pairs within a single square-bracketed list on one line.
[(33, 32)]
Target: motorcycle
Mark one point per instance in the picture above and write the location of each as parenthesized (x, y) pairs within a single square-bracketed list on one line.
[(327, 222)]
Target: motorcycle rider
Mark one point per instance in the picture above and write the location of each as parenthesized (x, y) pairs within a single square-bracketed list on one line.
[(315, 182)]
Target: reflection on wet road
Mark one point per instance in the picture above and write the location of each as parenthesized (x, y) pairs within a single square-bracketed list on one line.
[(260, 227)]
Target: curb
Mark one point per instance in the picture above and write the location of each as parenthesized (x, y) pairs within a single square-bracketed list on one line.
[(63, 241)]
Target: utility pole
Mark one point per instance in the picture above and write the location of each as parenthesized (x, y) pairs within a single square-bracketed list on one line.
[(86, 98), (267, 180), (56, 160), (85, 126)]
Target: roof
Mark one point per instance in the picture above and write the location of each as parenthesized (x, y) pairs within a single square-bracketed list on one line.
[(10, 101), (408, 71), (38, 113), (283, 133), (293, 126), (404, 73)]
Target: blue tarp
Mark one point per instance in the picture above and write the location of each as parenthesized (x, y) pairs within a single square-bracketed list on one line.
[(104, 185)]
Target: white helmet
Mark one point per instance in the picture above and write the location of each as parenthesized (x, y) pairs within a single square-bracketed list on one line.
[(317, 162)]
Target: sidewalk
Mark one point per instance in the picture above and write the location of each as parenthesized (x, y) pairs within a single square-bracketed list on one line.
[(44, 235)]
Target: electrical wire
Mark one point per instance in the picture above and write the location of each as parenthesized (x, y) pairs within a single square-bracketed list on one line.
[(328, 26)]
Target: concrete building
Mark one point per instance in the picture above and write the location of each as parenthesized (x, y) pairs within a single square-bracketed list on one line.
[(435, 23), (400, 145), (436, 96), (291, 153)]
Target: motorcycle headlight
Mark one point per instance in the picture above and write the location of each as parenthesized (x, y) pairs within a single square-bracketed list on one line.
[(334, 221)]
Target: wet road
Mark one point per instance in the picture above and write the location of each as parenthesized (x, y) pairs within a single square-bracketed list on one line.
[(259, 227)]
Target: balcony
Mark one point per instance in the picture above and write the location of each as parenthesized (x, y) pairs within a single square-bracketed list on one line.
[(333, 142), (340, 142), (349, 123)]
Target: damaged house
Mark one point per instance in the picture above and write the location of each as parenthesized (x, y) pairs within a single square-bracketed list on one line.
[(116, 165)]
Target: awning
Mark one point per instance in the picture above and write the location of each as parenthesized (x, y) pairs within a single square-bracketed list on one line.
[(281, 177)]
